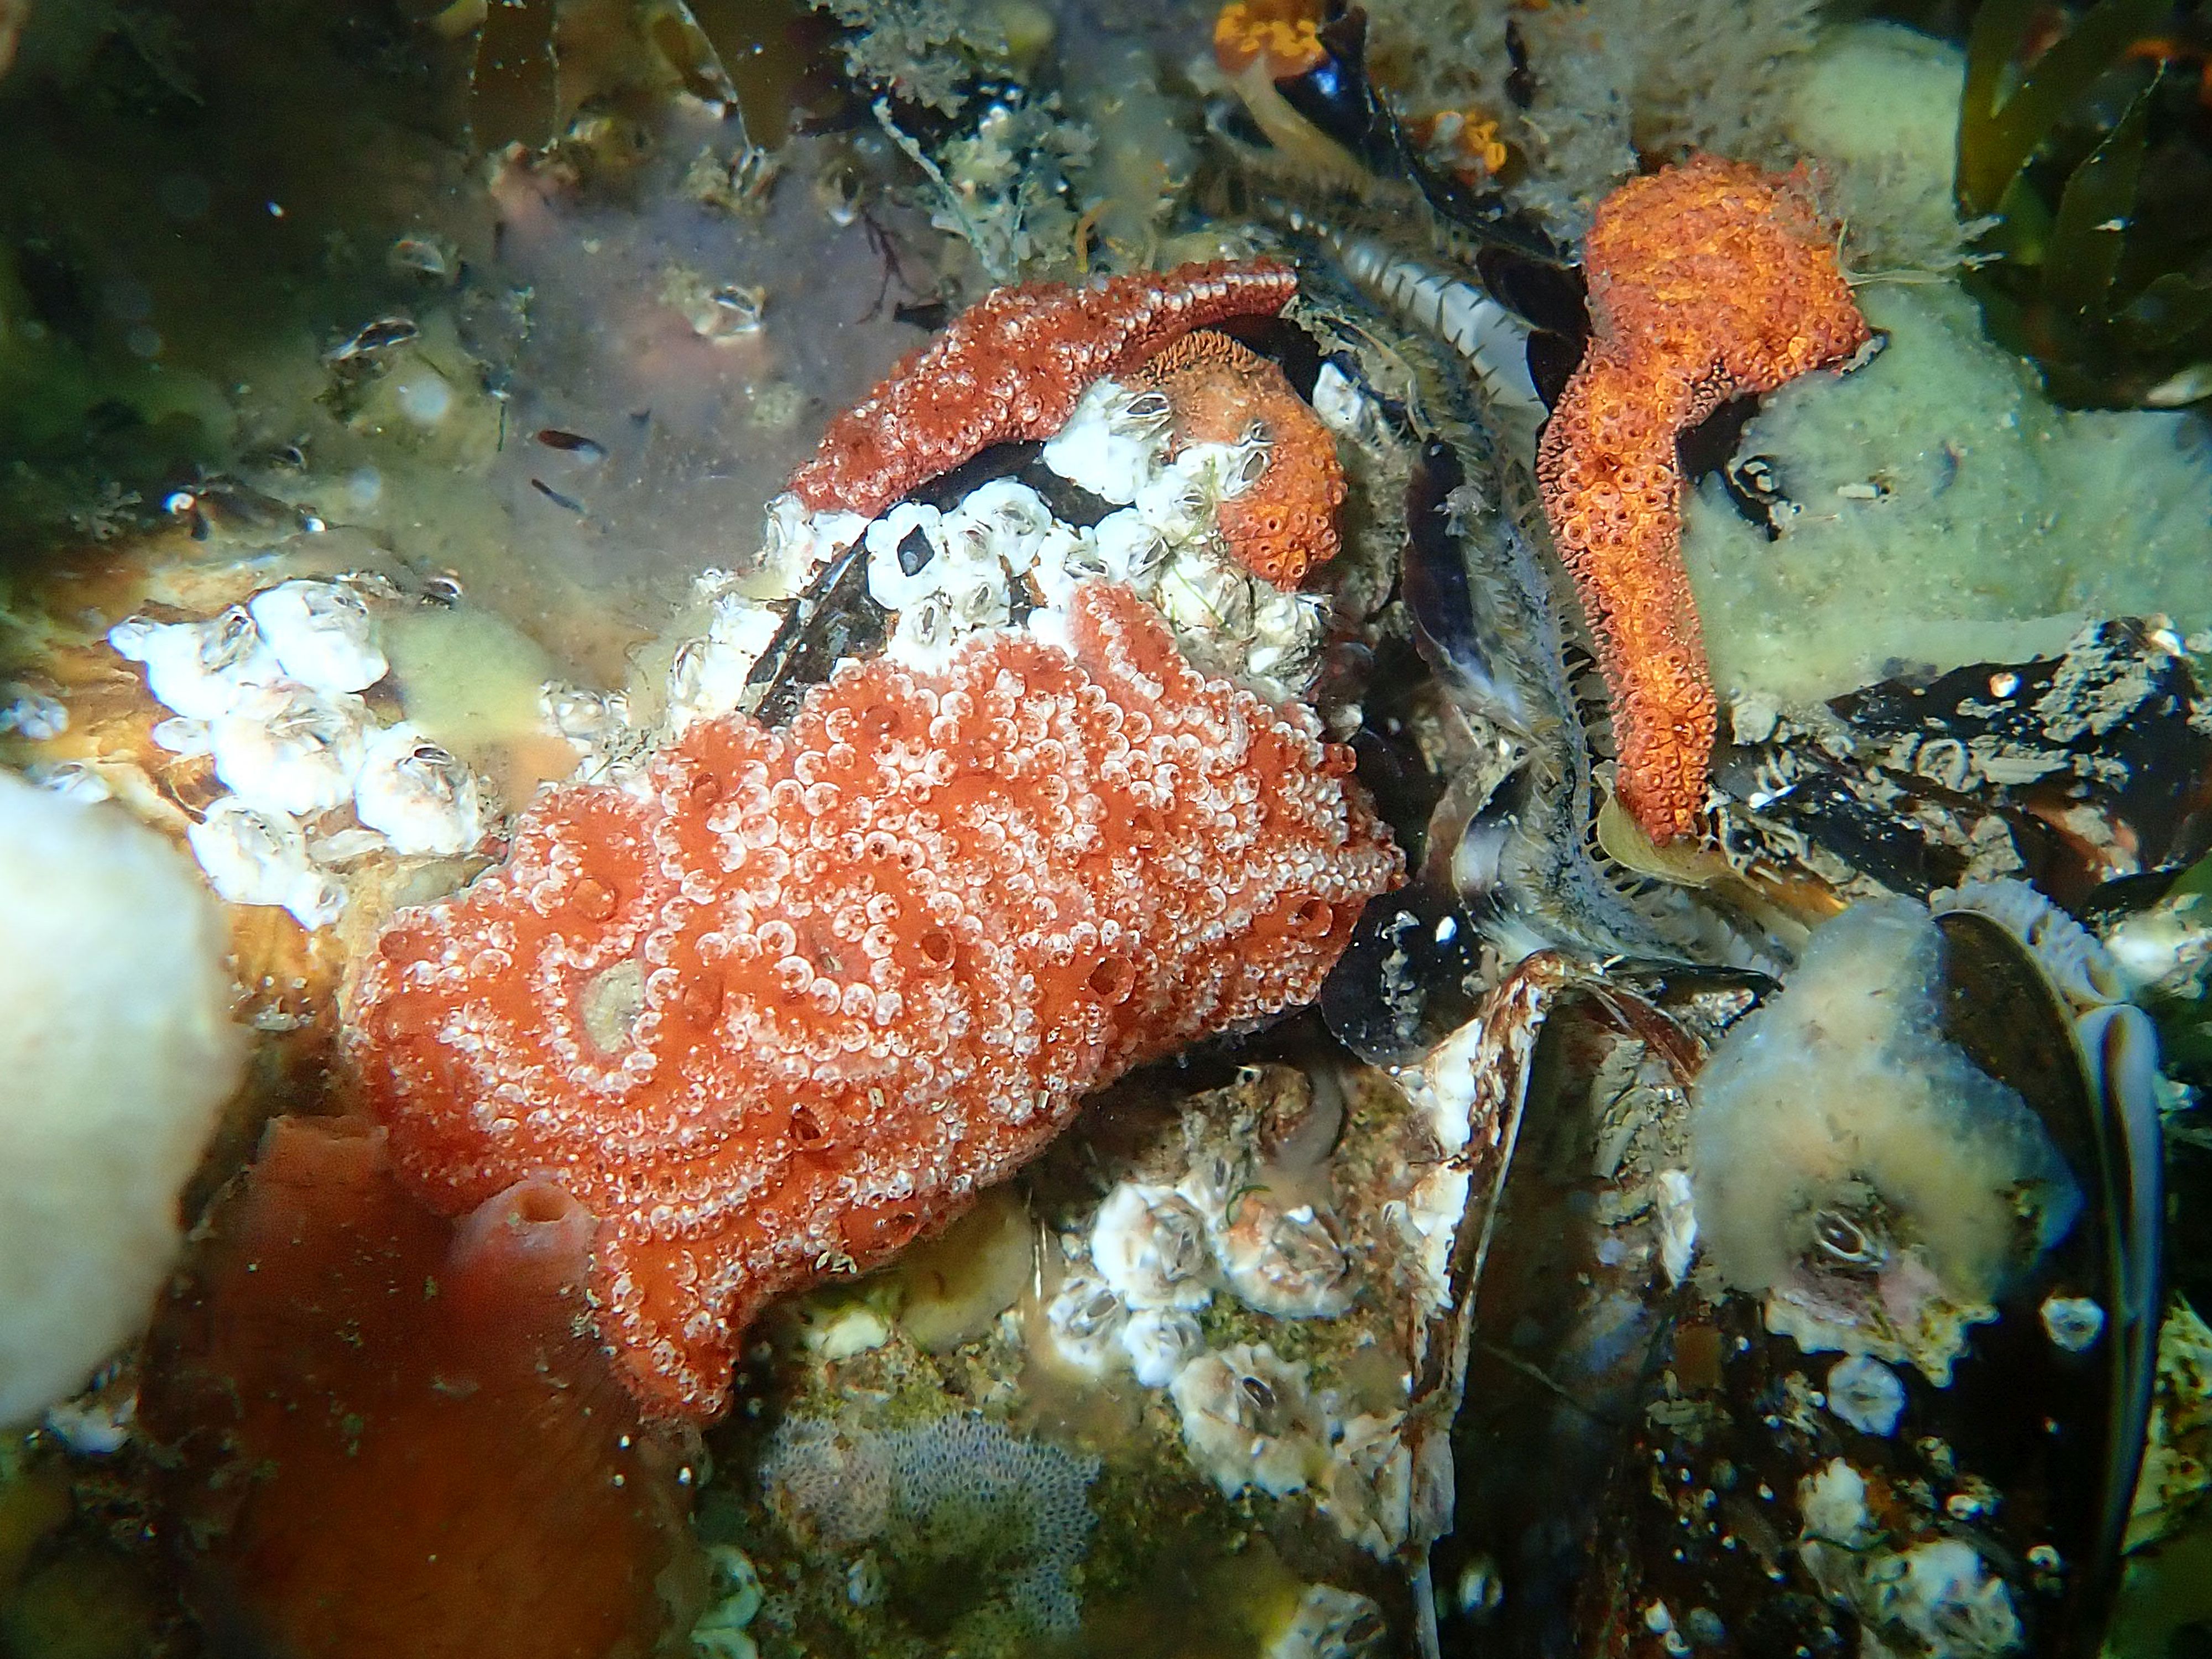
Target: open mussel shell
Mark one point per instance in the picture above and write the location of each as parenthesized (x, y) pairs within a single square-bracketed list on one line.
[(1642, 1465), (2052, 1026)]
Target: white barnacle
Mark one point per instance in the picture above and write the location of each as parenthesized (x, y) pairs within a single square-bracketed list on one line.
[(1085, 1320), (299, 753), (1148, 1244), (1159, 1343), (1126, 547), (1856, 1169), (2073, 1323), (1112, 442), (1866, 1394), (321, 634), (1942, 1595), (418, 795), (1003, 522), (1207, 596), (256, 856), (709, 675), (1342, 406), (200, 668), (906, 551), (1832, 1505), (796, 543), (1329, 1623), (1287, 1262), (1249, 1421)]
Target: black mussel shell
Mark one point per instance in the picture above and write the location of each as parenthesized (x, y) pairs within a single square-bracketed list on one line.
[(1630, 1448)]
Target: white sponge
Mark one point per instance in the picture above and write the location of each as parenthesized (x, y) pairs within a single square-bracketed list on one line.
[(115, 1054)]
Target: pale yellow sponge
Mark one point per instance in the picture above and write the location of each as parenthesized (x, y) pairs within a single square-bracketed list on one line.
[(115, 1054)]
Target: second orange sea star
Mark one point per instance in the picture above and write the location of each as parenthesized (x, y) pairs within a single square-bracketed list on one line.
[(1707, 281)]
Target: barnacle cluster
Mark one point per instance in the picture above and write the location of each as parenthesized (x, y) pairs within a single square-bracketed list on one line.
[(797, 652)]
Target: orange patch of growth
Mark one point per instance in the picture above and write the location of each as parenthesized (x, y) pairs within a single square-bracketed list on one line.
[(790, 1004), (1464, 142), (1284, 36), (387, 1433), (1707, 282), (1012, 366), (1284, 520)]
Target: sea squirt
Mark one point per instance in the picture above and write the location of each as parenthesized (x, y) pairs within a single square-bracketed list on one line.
[(391, 1434), (1857, 1169)]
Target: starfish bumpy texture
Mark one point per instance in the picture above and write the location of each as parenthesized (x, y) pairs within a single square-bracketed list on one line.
[(795, 1001), (1012, 366), (1707, 281)]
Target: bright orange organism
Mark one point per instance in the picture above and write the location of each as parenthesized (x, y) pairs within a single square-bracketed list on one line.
[(1012, 366), (794, 1000), (1282, 35), (1707, 281), (382, 1432), (1284, 520)]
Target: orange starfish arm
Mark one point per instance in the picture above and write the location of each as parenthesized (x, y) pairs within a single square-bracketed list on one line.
[(1012, 366), (1220, 391), (1708, 280)]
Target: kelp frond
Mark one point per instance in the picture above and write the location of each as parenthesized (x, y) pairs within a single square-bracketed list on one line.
[(2109, 294), (1999, 128)]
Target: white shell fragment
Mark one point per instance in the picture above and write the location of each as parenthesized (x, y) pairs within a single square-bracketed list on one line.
[(1672, 1202), (422, 797), (321, 634), (1446, 1084), (1866, 1394)]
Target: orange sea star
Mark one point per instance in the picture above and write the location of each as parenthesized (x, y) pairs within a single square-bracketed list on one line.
[(1012, 366), (1284, 520), (1707, 281), (792, 1000)]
